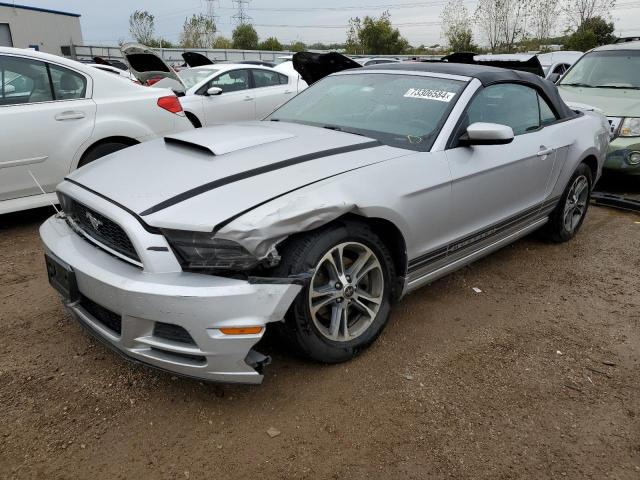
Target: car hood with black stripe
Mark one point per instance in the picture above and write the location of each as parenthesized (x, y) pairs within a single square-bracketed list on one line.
[(200, 179)]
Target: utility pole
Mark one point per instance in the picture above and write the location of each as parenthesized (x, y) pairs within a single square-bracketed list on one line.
[(241, 17), (210, 9)]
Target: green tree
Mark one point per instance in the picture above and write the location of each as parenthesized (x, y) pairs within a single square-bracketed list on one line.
[(222, 42), (272, 44), (199, 31), (591, 33), (377, 36), (581, 40), (161, 43), (456, 27), (245, 37), (141, 26), (297, 47)]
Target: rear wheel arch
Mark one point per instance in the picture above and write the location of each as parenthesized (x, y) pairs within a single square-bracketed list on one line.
[(87, 155), (592, 162), (195, 121)]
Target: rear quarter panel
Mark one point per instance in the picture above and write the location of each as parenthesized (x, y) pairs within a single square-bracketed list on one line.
[(124, 109), (590, 137)]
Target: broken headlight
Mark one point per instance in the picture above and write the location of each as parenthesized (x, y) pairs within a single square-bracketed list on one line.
[(202, 251)]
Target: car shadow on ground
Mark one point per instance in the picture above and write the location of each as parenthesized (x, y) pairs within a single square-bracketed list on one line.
[(619, 184), (24, 218)]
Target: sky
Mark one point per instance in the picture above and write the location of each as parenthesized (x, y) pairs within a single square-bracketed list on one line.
[(105, 23)]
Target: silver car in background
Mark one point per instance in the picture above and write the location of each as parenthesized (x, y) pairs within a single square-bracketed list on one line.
[(375, 181)]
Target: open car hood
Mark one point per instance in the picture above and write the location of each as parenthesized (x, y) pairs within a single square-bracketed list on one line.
[(146, 65), (520, 62), (314, 66), (195, 59)]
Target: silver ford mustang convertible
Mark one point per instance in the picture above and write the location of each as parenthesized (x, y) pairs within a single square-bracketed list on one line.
[(180, 253)]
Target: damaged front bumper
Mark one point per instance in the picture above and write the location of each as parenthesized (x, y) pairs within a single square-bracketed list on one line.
[(169, 320)]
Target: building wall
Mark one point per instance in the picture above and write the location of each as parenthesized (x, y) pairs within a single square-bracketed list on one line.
[(49, 31)]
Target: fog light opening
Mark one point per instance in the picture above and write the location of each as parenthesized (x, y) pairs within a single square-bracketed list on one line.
[(633, 158)]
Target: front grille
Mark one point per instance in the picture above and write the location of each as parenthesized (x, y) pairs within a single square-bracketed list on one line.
[(101, 229), (109, 319), (171, 332)]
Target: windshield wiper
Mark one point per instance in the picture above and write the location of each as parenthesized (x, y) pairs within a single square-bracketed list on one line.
[(586, 85), (340, 129)]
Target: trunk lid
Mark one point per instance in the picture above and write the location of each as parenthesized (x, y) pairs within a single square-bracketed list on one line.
[(195, 59), (147, 66), (315, 66)]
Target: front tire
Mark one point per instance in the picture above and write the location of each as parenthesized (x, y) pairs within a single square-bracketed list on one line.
[(346, 304), (567, 218)]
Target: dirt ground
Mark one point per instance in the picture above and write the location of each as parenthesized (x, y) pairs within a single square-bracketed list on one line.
[(537, 376)]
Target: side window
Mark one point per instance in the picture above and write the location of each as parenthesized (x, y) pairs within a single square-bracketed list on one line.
[(265, 78), (507, 104), (283, 79), (67, 84), (23, 80), (547, 115), (232, 81)]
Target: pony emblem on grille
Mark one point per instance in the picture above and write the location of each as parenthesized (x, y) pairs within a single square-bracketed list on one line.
[(95, 223)]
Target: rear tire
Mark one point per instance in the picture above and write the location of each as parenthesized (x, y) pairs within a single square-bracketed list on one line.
[(100, 151), (567, 218), (347, 303)]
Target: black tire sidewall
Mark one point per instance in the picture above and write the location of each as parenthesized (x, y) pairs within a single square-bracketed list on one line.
[(100, 151), (312, 343), (557, 222)]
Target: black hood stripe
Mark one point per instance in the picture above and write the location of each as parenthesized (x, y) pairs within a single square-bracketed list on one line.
[(207, 187)]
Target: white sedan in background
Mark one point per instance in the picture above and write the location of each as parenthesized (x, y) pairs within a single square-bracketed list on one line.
[(217, 93), (227, 92), (58, 114)]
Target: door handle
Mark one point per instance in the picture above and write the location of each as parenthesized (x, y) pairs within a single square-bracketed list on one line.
[(544, 151), (248, 99), (288, 92), (69, 116)]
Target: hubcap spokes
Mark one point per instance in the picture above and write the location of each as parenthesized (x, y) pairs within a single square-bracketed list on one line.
[(346, 291), (576, 204)]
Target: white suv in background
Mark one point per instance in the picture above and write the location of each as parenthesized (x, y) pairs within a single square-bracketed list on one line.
[(58, 114)]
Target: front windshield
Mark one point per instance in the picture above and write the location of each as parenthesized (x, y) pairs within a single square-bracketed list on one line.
[(193, 76), (402, 110), (606, 69)]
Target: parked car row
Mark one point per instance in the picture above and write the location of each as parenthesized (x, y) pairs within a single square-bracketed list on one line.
[(58, 114)]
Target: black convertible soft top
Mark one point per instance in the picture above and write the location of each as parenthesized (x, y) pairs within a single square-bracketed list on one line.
[(487, 76)]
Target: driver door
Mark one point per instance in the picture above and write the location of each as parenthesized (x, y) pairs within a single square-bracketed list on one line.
[(236, 103), (496, 183)]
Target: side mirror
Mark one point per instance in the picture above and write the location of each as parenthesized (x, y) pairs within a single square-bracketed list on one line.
[(213, 91), (487, 134), (554, 77)]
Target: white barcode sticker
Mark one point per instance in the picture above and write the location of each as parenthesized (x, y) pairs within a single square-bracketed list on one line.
[(428, 94)]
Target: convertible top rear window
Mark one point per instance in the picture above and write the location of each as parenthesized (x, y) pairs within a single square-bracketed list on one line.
[(406, 111)]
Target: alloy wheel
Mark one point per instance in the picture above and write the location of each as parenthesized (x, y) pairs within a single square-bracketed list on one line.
[(346, 291), (576, 203)]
